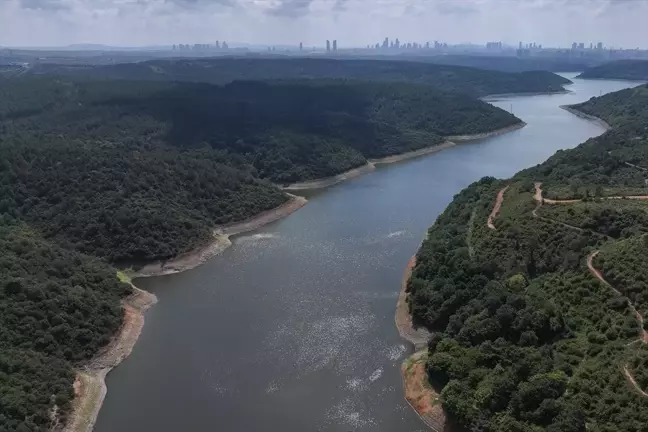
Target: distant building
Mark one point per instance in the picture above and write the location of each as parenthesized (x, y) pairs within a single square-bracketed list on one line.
[(581, 45), (328, 45), (301, 46), (494, 45), (574, 45), (599, 46), (334, 45)]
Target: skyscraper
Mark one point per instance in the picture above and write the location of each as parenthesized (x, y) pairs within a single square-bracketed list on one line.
[(385, 44), (301, 46), (599, 46), (334, 45), (328, 45)]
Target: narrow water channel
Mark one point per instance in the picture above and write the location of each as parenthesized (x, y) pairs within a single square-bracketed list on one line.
[(292, 328)]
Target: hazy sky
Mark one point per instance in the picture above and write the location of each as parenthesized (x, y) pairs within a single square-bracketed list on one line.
[(351, 22)]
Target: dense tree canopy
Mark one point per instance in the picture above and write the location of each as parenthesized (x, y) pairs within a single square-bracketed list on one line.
[(122, 171), (476, 82), (525, 336), (139, 171), (57, 307)]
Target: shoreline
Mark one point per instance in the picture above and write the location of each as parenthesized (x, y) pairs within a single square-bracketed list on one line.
[(412, 154), (416, 336), (90, 386), (220, 241), (450, 141), (508, 95), (418, 393), (325, 182), (484, 135), (593, 119)]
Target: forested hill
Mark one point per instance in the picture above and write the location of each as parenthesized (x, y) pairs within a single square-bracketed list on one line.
[(132, 170), (286, 131), (476, 82), (97, 172), (510, 63), (538, 317), (621, 69)]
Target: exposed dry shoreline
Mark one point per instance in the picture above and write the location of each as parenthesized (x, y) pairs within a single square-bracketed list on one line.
[(416, 336), (418, 393), (484, 135), (412, 154), (589, 117), (90, 386), (324, 182), (507, 95), (220, 241), (423, 399), (451, 141)]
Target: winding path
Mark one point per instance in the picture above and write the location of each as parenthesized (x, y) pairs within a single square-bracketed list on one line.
[(640, 319), (496, 208), (597, 273)]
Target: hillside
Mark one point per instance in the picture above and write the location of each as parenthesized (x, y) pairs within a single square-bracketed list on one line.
[(513, 64), (620, 69), (476, 82), (100, 172), (538, 318)]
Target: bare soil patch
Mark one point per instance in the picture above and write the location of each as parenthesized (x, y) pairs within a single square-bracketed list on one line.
[(417, 336), (419, 393), (496, 208), (90, 386), (220, 241)]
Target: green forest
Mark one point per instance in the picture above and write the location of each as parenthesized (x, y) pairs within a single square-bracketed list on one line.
[(133, 171), (620, 69), (97, 172), (461, 79), (526, 337)]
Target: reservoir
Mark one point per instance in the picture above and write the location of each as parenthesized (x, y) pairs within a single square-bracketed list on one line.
[(292, 328)]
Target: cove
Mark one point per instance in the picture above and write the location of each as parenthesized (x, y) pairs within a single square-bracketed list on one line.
[(292, 328)]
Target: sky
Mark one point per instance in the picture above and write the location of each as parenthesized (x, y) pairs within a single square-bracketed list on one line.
[(618, 23)]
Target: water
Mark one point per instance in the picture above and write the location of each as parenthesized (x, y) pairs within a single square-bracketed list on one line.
[(292, 328)]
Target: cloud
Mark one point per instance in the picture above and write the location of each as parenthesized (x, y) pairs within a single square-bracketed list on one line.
[(47, 5), (291, 8), (461, 8), (351, 22)]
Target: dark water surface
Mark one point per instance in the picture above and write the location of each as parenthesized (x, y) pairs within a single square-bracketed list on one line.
[(292, 328)]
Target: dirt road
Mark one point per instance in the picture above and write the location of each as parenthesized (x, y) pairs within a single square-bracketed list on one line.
[(640, 320), (496, 208)]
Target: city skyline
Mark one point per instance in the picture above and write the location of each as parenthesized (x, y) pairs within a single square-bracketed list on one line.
[(276, 22)]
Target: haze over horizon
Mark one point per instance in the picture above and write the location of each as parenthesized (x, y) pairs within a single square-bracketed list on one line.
[(616, 23)]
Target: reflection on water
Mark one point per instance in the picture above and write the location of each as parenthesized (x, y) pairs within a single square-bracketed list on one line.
[(292, 328)]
